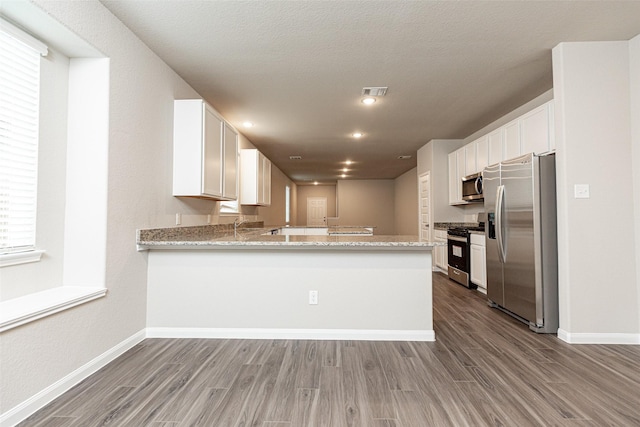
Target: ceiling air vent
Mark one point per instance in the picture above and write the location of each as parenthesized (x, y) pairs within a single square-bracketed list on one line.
[(405, 157), (295, 157), (374, 91)]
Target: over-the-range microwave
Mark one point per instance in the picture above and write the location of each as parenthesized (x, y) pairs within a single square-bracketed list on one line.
[(472, 188)]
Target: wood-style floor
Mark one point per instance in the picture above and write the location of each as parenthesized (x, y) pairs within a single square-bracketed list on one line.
[(484, 369)]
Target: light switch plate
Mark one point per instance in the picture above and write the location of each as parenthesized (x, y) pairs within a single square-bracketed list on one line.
[(581, 191)]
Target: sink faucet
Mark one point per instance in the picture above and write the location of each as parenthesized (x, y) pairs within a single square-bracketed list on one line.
[(238, 221)]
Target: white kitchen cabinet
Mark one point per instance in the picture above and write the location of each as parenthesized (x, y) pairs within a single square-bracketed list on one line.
[(230, 162), (255, 178), (457, 166), (535, 131), (512, 140), (205, 152), (496, 146), (440, 252), (469, 159), (478, 253), (482, 153)]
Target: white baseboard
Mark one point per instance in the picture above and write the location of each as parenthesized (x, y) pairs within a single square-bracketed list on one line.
[(293, 334), (598, 338), (44, 397)]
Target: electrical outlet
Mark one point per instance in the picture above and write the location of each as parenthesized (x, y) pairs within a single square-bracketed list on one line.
[(581, 191), (178, 218), (313, 297)]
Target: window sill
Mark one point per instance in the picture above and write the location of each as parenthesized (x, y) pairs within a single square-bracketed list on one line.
[(20, 258), (18, 311)]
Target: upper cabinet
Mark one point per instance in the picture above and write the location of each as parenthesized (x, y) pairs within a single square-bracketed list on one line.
[(457, 170), (256, 178), (205, 152), (529, 133), (536, 130)]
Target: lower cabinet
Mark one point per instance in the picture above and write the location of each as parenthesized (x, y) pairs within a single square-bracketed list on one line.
[(478, 262), (440, 252)]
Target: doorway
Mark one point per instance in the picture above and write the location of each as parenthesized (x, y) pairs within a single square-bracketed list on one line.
[(316, 211)]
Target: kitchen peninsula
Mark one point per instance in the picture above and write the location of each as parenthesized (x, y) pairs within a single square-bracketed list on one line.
[(217, 282)]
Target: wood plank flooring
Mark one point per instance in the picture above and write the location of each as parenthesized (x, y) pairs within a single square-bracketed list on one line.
[(485, 369)]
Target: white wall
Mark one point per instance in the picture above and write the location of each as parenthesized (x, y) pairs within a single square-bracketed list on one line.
[(142, 89), (634, 76), (367, 202), (433, 156), (306, 191), (598, 277), (406, 203)]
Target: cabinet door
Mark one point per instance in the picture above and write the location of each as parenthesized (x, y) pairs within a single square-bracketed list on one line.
[(482, 153), (266, 181), (230, 162), (496, 147), (470, 159), (453, 179), (212, 154), (461, 166), (512, 140), (478, 265), (534, 128)]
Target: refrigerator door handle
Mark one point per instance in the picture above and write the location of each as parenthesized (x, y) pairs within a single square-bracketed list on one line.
[(499, 228)]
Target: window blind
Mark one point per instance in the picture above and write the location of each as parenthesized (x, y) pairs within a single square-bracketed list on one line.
[(19, 108)]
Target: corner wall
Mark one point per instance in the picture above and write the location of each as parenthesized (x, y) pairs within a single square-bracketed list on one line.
[(368, 203), (598, 279), (634, 66), (406, 203)]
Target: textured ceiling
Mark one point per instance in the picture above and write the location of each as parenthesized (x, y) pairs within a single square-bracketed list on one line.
[(296, 68)]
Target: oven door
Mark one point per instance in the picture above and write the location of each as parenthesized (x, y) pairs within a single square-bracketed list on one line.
[(458, 251)]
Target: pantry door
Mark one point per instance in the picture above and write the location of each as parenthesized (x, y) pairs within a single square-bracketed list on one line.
[(424, 190), (316, 211)]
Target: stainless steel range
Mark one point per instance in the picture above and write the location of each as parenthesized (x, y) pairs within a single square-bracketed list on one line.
[(459, 257)]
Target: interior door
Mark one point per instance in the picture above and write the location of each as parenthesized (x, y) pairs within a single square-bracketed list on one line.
[(424, 189), (316, 211)]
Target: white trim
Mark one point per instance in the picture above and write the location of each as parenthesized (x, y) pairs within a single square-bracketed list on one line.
[(24, 37), (18, 311), (598, 338), (20, 257), (293, 334), (44, 397)]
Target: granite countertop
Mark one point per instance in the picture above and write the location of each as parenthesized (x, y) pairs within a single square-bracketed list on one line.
[(258, 237), (447, 225)]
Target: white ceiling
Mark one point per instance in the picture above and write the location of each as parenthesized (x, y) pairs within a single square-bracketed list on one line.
[(297, 68)]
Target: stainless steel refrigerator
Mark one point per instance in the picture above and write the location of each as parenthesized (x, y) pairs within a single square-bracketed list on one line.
[(521, 239)]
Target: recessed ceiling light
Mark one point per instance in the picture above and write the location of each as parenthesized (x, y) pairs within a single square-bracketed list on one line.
[(368, 101), (357, 135), (247, 124), (343, 175), (315, 183), (348, 162), (345, 170)]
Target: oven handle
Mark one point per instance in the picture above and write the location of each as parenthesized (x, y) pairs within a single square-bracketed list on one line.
[(457, 238), (499, 219)]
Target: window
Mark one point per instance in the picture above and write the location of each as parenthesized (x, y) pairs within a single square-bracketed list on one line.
[(19, 115)]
